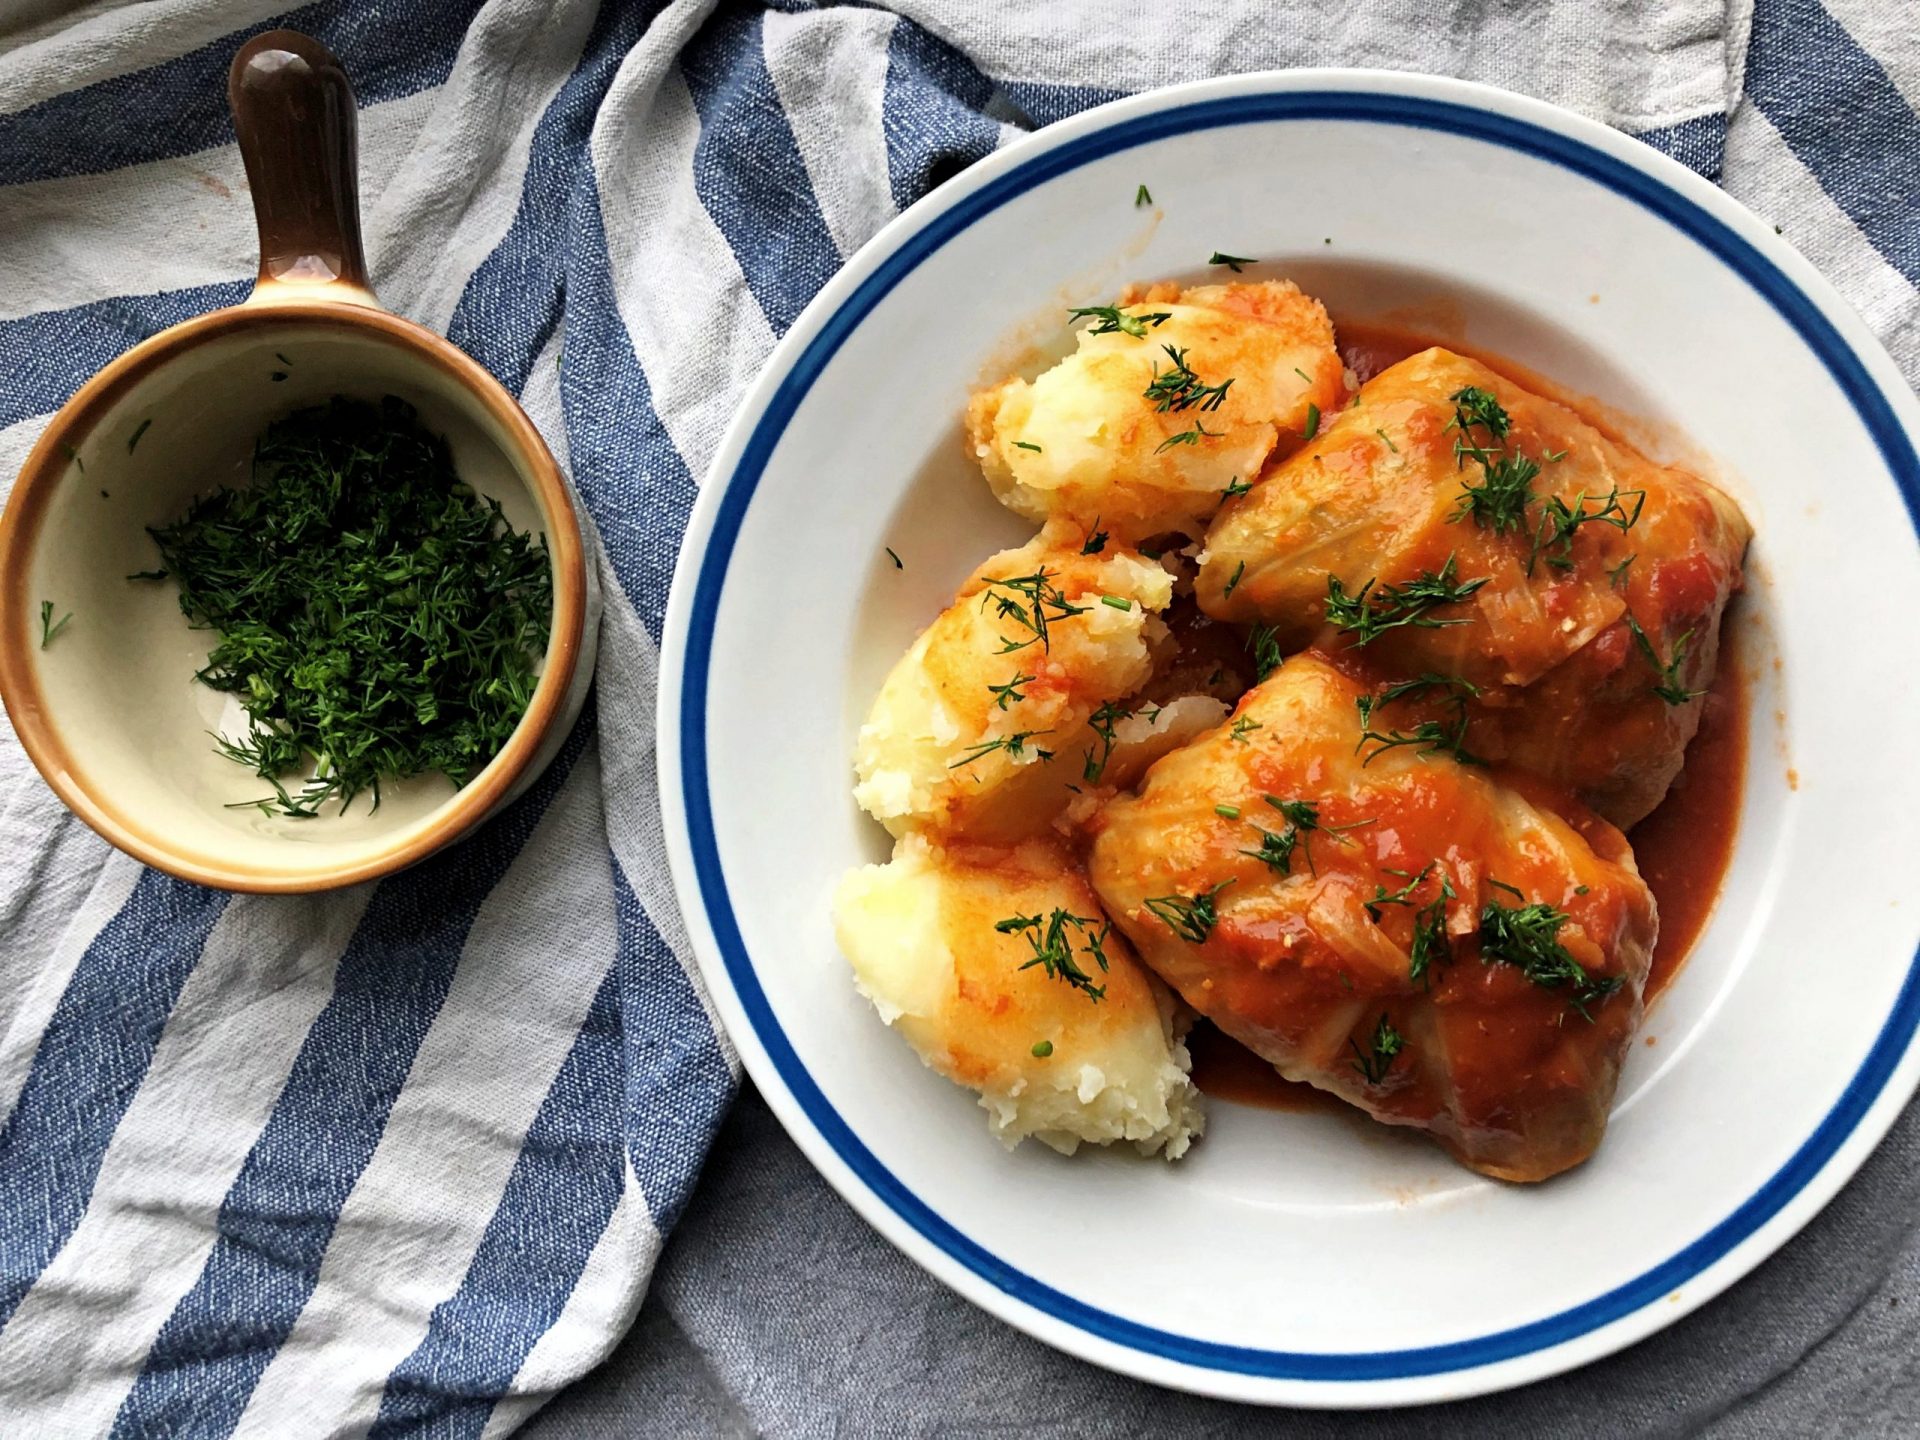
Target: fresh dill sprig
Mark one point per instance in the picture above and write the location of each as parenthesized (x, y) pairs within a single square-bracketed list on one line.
[(1010, 693), (1617, 576), (1233, 581), (1032, 602), (1313, 422), (1369, 613), (1232, 262), (1669, 689), (1244, 727), (1178, 388), (1302, 817), (898, 563), (1028, 445), (1142, 196), (1053, 950), (1527, 936), (1264, 646), (1102, 723), (1374, 1062), (1430, 736), (1236, 486), (1015, 745), (1191, 917), (50, 628), (1111, 318), (1432, 945), (1403, 896), (141, 429), (1559, 521), (374, 612), (1194, 436), (1096, 540)]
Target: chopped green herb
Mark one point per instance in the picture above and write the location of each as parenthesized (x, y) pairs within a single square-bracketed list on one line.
[(1313, 422), (1403, 896), (1028, 445), (74, 456), (134, 439), (283, 359), (1430, 735), (1191, 917), (1276, 849), (1053, 949), (1179, 388), (1015, 745), (1111, 318), (1385, 1046), (1102, 723), (1559, 521), (1118, 602), (898, 563), (1617, 576), (1042, 1049), (1234, 580), (1032, 602), (50, 628), (1244, 727), (1232, 262), (374, 612), (1303, 374), (277, 376), (1096, 539), (1265, 648), (1009, 693), (1669, 689), (1527, 937), (1227, 812), (1142, 197), (1188, 437), (1386, 440), (1235, 486), (1432, 945), (1367, 614)]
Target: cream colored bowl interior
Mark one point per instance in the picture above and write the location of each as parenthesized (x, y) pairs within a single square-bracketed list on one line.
[(118, 683)]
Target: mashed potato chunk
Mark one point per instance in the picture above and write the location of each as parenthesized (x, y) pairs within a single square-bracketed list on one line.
[(1012, 696), (998, 966), (1166, 404)]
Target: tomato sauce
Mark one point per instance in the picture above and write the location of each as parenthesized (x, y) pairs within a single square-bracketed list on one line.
[(1683, 848)]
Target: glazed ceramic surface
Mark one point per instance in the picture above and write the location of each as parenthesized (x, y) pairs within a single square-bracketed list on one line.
[(1308, 1258)]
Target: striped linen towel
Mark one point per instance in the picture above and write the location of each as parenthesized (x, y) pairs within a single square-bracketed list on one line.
[(401, 1159)]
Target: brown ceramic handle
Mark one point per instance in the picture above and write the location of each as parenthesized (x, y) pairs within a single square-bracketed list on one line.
[(293, 112)]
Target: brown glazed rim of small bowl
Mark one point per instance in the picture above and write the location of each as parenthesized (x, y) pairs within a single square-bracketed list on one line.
[(26, 511)]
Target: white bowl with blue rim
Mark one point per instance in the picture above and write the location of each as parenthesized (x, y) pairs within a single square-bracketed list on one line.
[(1294, 1258)]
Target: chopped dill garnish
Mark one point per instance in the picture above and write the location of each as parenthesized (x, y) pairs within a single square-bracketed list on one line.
[(49, 627), (1111, 318), (1096, 540), (1244, 727), (1142, 196), (1430, 735), (1189, 437), (1368, 614), (1053, 950), (1385, 1046), (1236, 486), (1117, 602), (374, 612), (1015, 745), (1232, 262), (1528, 937), (1227, 812), (1234, 580), (1102, 723), (1386, 440), (1028, 445), (1302, 816), (1303, 374), (141, 429), (1042, 1049), (1191, 917), (1617, 576), (1669, 689), (1403, 896), (1009, 693), (1559, 521), (1313, 422), (1032, 602), (1432, 944), (898, 563), (74, 456), (1264, 646), (1179, 388)]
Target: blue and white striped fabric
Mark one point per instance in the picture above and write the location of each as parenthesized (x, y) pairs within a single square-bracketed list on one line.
[(400, 1161)]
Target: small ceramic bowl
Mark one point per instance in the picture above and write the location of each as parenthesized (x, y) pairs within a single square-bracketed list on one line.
[(109, 710)]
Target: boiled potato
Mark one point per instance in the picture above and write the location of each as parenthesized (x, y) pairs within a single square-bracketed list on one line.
[(1143, 433), (1053, 1021), (1010, 700)]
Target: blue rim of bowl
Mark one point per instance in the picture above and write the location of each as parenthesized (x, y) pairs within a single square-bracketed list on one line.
[(1648, 191)]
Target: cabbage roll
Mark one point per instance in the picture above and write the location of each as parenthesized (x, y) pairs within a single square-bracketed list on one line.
[(1397, 928), (1454, 527)]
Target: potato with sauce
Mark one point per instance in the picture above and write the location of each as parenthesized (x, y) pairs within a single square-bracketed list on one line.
[(1013, 697), (1443, 949), (1167, 403), (998, 966)]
